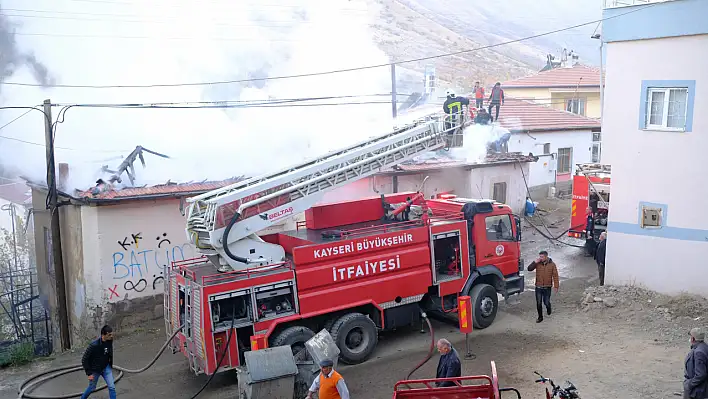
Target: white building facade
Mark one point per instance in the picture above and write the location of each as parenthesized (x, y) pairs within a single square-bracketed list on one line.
[(656, 135)]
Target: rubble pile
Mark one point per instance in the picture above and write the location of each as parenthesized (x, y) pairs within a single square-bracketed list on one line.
[(670, 317)]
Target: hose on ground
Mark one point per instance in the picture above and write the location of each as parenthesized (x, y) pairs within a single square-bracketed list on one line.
[(223, 355), (33, 382), (430, 351)]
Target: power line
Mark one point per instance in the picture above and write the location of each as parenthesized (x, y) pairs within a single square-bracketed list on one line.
[(249, 5), (257, 24), (303, 75), (12, 121)]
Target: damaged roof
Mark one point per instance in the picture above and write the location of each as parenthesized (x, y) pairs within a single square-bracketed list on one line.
[(525, 116), (106, 192), (443, 159), (577, 76)]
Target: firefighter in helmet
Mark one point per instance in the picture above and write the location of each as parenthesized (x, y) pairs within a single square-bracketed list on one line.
[(453, 108)]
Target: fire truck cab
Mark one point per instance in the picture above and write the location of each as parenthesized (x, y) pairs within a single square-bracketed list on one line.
[(353, 268)]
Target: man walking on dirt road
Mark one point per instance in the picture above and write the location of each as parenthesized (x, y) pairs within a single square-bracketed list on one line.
[(695, 383), (546, 277), (98, 362), (449, 365), (329, 382)]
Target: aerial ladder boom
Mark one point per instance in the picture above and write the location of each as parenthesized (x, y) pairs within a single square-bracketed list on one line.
[(222, 224)]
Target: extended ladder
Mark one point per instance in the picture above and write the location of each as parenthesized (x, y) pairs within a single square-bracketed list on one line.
[(264, 200)]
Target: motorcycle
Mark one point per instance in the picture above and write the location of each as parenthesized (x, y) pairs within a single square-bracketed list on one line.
[(569, 392)]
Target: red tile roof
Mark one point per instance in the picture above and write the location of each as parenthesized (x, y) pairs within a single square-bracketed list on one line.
[(106, 193), (526, 116), (443, 160), (578, 75)]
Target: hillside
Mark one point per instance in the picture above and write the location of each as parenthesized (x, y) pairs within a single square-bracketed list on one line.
[(405, 34), (408, 29)]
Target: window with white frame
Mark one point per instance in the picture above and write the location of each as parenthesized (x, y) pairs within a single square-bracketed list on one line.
[(666, 108), (575, 105), (565, 158), (596, 146), (546, 148)]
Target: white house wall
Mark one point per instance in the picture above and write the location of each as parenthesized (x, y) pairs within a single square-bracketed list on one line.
[(543, 172), (482, 182), (136, 241), (662, 169)]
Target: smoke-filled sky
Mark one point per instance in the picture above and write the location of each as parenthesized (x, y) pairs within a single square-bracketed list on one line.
[(134, 42)]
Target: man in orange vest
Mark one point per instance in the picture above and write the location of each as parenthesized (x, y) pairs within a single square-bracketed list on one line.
[(479, 95), (330, 383)]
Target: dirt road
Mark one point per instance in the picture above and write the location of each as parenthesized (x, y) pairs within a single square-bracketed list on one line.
[(618, 345)]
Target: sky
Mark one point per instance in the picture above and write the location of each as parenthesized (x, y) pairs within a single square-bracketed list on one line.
[(133, 42)]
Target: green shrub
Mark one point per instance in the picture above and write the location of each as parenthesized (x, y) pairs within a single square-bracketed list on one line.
[(17, 354)]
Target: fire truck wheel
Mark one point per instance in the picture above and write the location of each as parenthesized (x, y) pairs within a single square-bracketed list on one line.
[(484, 305), (355, 336), (295, 337)]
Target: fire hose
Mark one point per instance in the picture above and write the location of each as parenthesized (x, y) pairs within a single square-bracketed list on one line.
[(430, 350), (33, 382)]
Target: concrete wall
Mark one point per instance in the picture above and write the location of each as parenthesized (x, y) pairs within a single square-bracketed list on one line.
[(671, 258), (72, 254), (555, 98), (540, 96), (544, 171), (134, 242)]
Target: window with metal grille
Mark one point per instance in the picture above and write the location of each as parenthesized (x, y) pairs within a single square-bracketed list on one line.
[(565, 157), (666, 108), (499, 193)]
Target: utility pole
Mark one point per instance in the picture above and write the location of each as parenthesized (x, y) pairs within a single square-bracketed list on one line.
[(55, 229), (394, 102), (598, 36)]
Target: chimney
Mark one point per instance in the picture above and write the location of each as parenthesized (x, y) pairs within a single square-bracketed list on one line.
[(63, 175)]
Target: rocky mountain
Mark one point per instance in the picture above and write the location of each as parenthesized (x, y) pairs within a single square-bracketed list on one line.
[(408, 29)]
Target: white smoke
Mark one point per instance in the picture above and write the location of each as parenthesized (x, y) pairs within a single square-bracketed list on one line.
[(229, 41), (475, 140)]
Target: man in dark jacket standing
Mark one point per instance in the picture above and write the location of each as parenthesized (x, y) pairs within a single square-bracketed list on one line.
[(98, 361), (449, 365), (546, 277), (695, 383), (496, 98), (589, 232), (600, 256)]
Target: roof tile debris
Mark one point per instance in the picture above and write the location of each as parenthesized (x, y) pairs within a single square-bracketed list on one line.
[(577, 76), (442, 160), (526, 116), (105, 191)]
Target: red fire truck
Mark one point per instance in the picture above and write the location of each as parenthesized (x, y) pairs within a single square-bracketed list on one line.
[(354, 267), (591, 187)]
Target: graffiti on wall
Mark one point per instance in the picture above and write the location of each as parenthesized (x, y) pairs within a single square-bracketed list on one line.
[(138, 264)]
